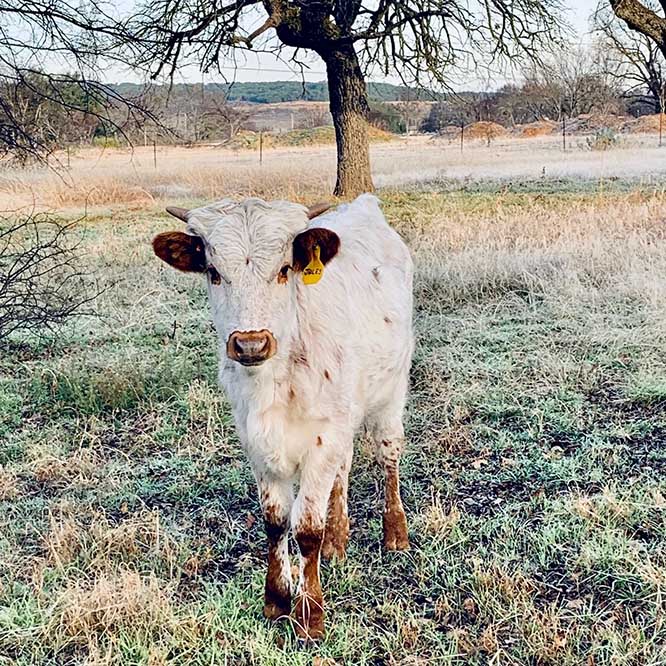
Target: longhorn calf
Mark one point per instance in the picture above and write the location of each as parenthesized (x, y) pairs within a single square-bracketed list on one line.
[(314, 321)]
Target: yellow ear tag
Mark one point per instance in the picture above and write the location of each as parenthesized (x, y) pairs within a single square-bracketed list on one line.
[(315, 269)]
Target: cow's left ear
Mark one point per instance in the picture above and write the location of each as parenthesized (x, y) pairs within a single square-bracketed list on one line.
[(182, 251), (304, 245)]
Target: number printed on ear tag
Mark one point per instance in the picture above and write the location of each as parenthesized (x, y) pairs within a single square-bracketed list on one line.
[(315, 269)]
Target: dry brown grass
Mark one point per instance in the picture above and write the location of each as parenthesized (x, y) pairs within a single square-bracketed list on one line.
[(126, 182), (126, 600), (9, 484)]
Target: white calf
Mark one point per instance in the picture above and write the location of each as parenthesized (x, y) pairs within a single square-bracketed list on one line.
[(315, 340)]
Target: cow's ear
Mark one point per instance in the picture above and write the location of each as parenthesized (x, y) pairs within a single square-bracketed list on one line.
[(182, 251), (305, 243)]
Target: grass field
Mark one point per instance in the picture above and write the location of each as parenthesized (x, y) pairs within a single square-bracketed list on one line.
[(533, 482)]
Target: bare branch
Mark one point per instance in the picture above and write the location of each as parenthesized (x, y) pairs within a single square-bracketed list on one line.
[(43, 280)]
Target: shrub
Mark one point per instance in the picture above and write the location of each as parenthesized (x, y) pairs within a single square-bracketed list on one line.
[(42, 281), (603, 139)]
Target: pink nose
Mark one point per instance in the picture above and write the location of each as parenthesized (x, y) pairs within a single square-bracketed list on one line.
[(252, 347)]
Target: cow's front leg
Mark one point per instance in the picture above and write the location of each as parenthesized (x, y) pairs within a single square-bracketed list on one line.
[(308, 521), (276, 502)]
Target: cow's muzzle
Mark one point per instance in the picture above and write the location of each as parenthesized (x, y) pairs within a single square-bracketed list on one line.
[(251, 347)]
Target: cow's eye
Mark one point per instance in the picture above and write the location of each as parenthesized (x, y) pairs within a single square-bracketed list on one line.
[(283, 274), (214, 276)]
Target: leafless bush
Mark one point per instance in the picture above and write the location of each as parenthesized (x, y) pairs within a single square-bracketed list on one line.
[(43, 283)]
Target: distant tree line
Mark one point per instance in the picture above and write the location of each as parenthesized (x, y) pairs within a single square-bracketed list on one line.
[(40, 113), (271, 92), (573, 83)]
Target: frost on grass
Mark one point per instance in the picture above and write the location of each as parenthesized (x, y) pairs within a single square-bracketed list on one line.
[(533, 477)]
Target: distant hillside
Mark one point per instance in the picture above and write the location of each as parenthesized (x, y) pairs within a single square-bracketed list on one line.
[(268, 92)]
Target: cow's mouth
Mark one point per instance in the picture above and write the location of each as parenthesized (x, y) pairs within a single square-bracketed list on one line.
[(250, 362)]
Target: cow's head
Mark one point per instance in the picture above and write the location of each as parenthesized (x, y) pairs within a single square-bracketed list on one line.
[(251, 252)]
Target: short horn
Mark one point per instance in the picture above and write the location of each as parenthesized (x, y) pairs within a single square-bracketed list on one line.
[(180, 213), (317, 209)]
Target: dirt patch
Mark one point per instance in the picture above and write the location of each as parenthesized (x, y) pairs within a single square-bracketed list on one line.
[(591, 123), (485, 130), (538, 128), (645, 124)]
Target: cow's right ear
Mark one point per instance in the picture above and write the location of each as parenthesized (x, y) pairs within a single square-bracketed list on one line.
[(182, 251)]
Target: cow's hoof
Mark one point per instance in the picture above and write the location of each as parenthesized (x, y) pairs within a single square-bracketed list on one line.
[(274, 611), (309, 618), (395, 532), (396, 543), (310, 633), (335, 545), (330, 551)]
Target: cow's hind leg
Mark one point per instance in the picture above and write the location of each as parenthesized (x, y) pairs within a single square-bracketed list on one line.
[(336, 534), (276, 504), (389, 438)]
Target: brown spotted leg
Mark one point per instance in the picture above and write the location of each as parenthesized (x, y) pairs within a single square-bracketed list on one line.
[(276, 501), (308, 521), (336, 534), (389, 443)]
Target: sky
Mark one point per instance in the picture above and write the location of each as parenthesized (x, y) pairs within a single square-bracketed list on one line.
[(265, 67)]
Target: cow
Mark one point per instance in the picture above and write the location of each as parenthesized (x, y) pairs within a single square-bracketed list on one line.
[(313, 313)]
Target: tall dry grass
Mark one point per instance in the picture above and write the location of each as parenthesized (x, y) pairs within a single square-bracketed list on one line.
[(110, 178)]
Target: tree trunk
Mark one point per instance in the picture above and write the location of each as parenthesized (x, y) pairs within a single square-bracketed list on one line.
[(349, 108), (641, 18)]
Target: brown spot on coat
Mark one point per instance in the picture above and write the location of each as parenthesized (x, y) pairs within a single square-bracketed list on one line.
[(320, 441), (327, 374), (299, 357), (375, 273), (388, 320)]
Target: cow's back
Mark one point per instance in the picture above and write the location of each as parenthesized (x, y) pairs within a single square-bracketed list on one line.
[(367, 302)]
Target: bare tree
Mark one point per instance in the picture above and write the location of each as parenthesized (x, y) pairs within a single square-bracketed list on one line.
[(42, 280), (36, 35), (571, 83), (417, 40), (631, 57)]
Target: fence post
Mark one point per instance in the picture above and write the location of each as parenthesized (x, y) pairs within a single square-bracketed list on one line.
[(154, 152), (564, 132), (462, 136), (261, 147)]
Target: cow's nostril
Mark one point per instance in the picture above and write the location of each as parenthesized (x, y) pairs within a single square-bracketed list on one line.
[(238, 346)]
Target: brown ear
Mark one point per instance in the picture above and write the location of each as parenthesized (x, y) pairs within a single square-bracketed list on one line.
[(182, 251), (304, 243)]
